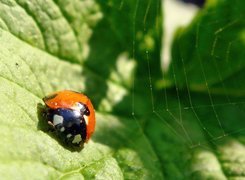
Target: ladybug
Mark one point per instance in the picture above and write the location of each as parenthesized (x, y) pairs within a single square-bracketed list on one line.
[(72, 116)]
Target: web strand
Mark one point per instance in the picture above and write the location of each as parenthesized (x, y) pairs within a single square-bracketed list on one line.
[(175, 119), (133, 52)]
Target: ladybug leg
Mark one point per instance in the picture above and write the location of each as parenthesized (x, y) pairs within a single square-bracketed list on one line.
[(51, 124)]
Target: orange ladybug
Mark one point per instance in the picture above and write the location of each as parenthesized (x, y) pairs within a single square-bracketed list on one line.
[(72, 116)]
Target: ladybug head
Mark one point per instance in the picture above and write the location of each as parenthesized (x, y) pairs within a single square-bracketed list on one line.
[(83, 109)]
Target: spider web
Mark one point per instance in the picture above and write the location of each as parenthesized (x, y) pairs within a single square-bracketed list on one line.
[(208, 112)]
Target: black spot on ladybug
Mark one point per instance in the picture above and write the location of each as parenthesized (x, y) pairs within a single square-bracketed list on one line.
[(46, 98)]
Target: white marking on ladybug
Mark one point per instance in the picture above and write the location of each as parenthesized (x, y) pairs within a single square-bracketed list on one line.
[(77, 106), (76, 113), (62, 129), (86, 119), (77, 139), (57, 119), (68, 135)]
